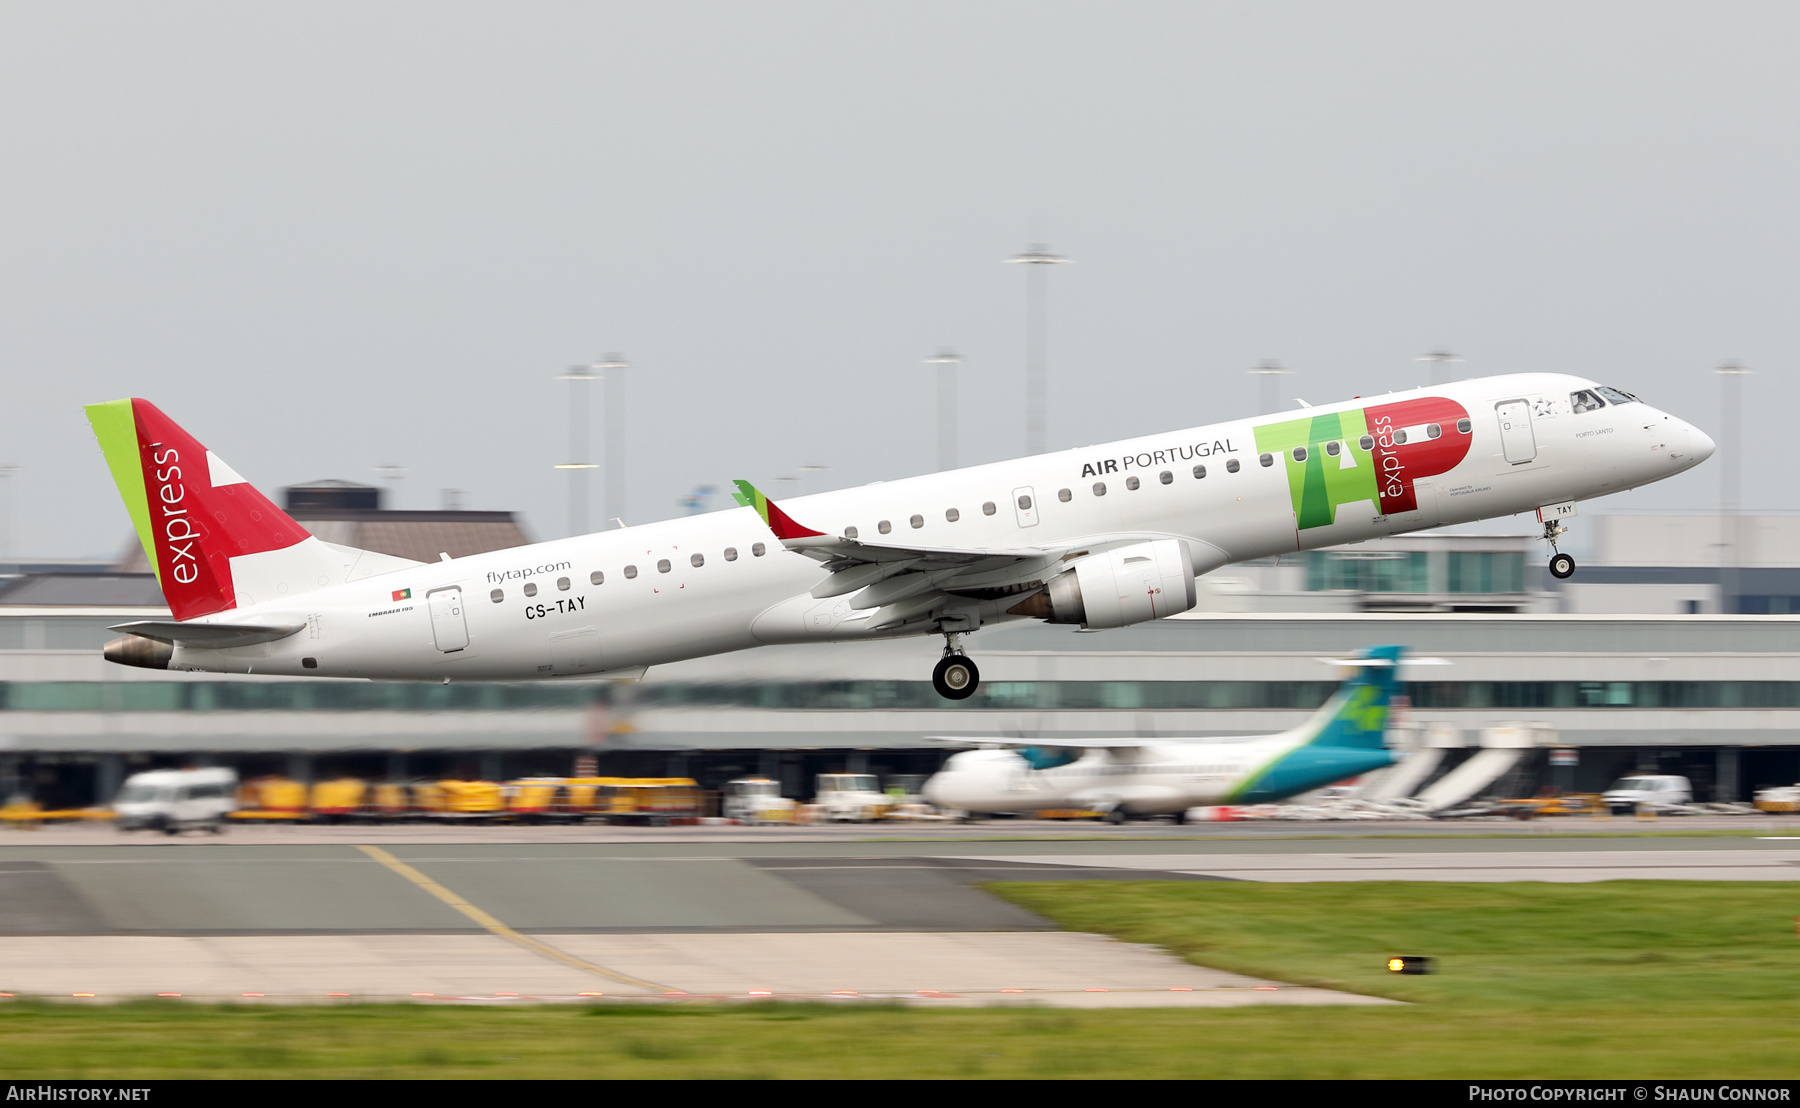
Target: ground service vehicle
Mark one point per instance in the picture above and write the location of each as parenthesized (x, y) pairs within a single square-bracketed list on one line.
[(175, 800), (850, 798), (757, 800), (1651, 791)]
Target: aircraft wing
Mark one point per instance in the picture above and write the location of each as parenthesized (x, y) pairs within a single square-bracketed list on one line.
[(906, 582), (1060, 744)]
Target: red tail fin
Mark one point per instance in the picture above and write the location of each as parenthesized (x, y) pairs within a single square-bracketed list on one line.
[(193, 513)]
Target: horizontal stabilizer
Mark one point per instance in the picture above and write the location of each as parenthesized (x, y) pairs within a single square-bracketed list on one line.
[(208, 636)]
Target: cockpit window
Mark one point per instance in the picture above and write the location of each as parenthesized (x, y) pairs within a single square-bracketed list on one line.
[(1585, 401), (1617, 396)]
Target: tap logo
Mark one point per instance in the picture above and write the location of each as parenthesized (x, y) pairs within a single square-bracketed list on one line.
[(1369, 455)]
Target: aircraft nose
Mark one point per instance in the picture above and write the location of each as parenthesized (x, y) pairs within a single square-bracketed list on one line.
[(1700, 443)]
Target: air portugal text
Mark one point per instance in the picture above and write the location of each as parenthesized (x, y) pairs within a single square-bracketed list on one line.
[(1150, 459)]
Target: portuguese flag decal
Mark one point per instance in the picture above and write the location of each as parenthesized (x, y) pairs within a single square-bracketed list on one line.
[(402, 594)]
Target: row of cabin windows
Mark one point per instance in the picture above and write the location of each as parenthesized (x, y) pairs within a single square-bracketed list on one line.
[(1065, 495), (663, 565), (1367, 442)]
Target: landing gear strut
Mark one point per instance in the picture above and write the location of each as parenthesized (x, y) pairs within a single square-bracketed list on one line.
[(1562, 566), (956, 677)]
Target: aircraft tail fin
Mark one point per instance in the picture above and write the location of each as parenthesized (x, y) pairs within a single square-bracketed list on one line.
[(215, 542), (1356, 716)]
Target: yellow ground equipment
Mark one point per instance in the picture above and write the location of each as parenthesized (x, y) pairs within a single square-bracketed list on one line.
[(338, 799), (654, 801), (469, 800), (532, 799), (387, 801), (270, 798)]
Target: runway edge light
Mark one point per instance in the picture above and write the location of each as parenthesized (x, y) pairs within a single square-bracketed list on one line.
[(1411, 963)]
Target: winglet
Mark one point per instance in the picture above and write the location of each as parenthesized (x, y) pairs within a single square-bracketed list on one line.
[(779, 521)]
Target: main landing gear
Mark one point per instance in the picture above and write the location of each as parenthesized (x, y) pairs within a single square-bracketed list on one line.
[(1562, 566), (956, 677)]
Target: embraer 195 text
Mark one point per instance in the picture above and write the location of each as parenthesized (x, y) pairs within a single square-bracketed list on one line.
[(1104, 536)]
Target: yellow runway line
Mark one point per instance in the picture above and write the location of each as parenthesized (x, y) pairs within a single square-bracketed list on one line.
[(495, 927)]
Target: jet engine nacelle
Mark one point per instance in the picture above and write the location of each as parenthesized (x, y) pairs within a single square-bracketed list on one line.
[(1133, 584)]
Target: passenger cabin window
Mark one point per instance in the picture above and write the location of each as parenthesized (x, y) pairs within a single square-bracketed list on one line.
[(1299, 453), (596, 578), (697, 560), (497, 595), (1199, 472), (1400, 436), (987, 508), (1433, 431), (1617, 396), (1585, 401), (1334, 448), (731, 553), (952, 514), (1099, 488), (1266, 460), (1367, 442), (662, 565), (884, 527), (630, 572), (531, 588), (1064, 495), (1165, 477), (1025, 503), (562, 584), (849, 532), (917, 521), (756, 550), (1131, 483), (1231, 465), (1463, 426)]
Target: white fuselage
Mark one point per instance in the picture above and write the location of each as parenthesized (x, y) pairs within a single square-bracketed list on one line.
[(700, 585), (1155, 779)]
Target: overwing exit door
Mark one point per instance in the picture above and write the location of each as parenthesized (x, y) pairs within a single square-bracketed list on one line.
[(448, 627), (1516, 440), (1025, 504)]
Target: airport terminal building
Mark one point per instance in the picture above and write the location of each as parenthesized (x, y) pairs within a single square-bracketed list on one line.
[(1671, 684)]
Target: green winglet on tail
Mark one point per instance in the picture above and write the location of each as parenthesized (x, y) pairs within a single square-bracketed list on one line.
[(779, 521)]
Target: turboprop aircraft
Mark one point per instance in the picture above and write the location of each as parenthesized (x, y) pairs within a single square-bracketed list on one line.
[(1147, 777), (1103, 536)]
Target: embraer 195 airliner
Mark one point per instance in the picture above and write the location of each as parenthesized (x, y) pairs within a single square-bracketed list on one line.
[(1103, 536)]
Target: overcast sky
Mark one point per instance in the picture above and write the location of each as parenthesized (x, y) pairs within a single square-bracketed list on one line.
[(328, 236)]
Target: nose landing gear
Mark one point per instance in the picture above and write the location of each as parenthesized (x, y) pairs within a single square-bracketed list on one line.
[(955, 677), (1562, 566)]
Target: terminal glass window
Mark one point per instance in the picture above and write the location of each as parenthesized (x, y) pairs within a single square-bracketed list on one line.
[(1367, 571), (1485, 571)]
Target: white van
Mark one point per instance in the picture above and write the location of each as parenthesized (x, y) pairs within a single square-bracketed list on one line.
[(173, 800), (1653, 791)]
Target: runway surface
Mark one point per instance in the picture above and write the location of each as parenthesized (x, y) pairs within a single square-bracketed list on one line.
[(444, 914)]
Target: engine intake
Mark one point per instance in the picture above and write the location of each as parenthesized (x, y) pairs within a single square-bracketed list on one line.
[(1133, 584)]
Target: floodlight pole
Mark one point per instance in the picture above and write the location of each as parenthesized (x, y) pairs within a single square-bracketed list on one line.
[(1271, 373), (947, 361), (1731, 443), (613, 366), (578, 377), (1037, 380), (1438, 358), (6, 519)]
